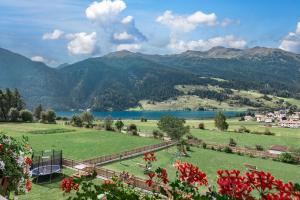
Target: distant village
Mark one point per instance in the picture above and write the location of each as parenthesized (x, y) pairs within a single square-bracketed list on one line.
[(282, 118)]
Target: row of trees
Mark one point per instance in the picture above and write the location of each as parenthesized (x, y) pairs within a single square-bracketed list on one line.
[(11, 103)]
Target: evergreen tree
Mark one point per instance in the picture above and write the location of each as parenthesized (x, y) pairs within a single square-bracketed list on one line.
[(13, 114)]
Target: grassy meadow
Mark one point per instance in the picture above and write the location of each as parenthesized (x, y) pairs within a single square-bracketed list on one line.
[(76, 143), (209, 161), (283, 136)]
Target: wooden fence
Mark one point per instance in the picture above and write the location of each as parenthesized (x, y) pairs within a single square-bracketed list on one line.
[(108, 174), (252, 152), (130, 153)]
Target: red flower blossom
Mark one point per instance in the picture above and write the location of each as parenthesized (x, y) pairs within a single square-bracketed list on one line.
[(163, 175), (28, 161), (234, 185), (28, 185), (191, 174), (1, 147), (150, 181), (68, 184), (149, 157)]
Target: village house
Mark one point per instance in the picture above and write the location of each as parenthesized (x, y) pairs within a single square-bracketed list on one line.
[(289, 123), (278, 149), (260, 117), (248, 118)]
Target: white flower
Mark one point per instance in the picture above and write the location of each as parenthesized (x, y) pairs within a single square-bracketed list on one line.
[(2, 165), (20, 161)]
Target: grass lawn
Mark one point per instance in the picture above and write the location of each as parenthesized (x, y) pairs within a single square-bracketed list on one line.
[(78, 144), (283, 136), (210, 161), (50, 191)]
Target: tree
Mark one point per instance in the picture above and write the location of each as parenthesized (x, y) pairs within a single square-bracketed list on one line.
[(8, 100), (44, 117), (13, 114), (173, 126), (220, 121), (132, 128), (119, 124), (201, 126), (76, 121), (26, 116), (87, 117), (51, 116), (38, 111), (108, 122)]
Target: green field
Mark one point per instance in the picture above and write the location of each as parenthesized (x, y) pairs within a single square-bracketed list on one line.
[(78, 144), (283, 136), (210, 161)]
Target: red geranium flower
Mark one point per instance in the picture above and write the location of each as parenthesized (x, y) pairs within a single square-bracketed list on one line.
[(28, 161), (150, 181), (28, 185), (234, 185), (163, 175), (191, 174), (68, 184), (1, 147), (150, 157)]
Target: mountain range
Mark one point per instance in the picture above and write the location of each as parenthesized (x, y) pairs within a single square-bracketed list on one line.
[(120, 80)]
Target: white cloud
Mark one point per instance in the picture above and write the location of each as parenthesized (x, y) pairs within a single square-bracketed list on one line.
[(44, 60), (203, 45), (82, 43), (123, 36), (179, 23), (105, 11), (38, 59), (129, 47), (56, 34), (291, 42), (127, 20)]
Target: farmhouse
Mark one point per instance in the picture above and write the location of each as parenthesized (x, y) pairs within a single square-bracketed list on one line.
[(278, 149), (260, 117)]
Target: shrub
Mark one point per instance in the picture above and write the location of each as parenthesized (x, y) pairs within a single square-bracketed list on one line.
[(204, 145), (242, 129), (155, 133), (26, 116), (58, 118), (119, 125), (132, 127), (144, 119), (227, 150), (220, 121), (108, 122), (201, 126), (268, 132), (13, 114), (259, 147), (76, 121), (232, 142), (287, 158)]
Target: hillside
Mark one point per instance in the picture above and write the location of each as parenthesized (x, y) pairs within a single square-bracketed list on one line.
[(124, 80)]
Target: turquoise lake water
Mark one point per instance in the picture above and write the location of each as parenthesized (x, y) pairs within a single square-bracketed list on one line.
[(152, 114)]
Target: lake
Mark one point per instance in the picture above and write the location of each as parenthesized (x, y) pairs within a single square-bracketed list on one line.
[(152, 114)]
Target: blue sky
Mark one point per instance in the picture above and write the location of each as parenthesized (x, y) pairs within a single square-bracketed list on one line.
[(59, 31)]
